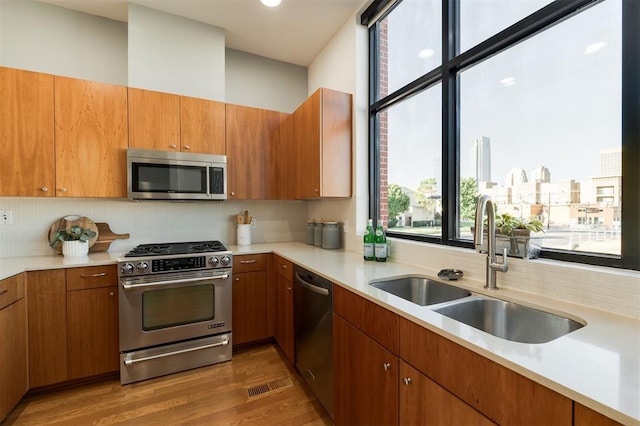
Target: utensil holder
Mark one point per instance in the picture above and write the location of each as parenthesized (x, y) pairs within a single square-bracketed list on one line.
[(244, 234)]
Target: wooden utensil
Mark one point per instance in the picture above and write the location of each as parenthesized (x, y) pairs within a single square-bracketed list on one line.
[(247, 218), (105, 237)]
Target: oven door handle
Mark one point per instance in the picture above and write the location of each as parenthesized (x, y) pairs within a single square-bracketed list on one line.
[(314, 288), (127, 286), (131, 361)]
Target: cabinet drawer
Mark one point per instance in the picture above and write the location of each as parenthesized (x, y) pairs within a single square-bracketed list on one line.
[(11, 289), (284, 267), (91, 277), (375, 321), (249, 263)]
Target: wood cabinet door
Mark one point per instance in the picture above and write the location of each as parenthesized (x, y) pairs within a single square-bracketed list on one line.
[(284, 331), (250, 134), (202, 126), (92, 332), (13, 356), (365, 378), (26, 134), (249, 307), (154, 120), (424, 402), (584, 416), (91, 138), (336, 144), (283, 161), (306, 152), (47, 327)]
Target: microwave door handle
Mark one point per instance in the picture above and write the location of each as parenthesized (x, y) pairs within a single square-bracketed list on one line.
[(128, 286)]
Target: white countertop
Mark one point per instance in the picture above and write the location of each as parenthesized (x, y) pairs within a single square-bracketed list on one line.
[(597, 365)]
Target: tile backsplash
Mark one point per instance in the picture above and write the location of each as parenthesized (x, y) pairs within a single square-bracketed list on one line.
[(148, 221)]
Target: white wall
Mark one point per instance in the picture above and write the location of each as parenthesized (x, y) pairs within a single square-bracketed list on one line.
[(343, 66), (168, 53), (261, 82), (40, 37)]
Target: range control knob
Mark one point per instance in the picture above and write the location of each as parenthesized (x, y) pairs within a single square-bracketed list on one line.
[(214, 261), (142, 267), (225, 261), (126, 269)]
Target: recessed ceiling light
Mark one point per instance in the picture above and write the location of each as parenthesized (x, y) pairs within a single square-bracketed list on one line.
[(270, 3), (594, 47), (425, 53), (508, 81)]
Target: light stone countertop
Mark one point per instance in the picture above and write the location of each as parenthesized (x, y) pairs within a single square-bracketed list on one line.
[(597, 365)]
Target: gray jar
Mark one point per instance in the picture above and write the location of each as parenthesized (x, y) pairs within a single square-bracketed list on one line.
[(317, 234), (331, 235), (311, 224)]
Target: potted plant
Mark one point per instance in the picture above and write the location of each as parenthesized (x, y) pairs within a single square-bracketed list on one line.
[(75, 240), (517, 231)]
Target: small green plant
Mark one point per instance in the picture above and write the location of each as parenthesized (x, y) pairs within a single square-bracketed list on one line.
[(74, 233), (507, 223)]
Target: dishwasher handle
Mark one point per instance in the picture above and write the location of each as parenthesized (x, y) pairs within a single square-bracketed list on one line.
[(312, 287)]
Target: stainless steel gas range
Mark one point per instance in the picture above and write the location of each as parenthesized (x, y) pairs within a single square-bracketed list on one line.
[(175, 308)]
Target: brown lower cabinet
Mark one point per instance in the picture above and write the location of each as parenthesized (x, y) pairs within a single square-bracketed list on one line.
[(365, 378), (250, 299), (73, 324), (13, 343), (584, 416), (440, 382), (284, 330)]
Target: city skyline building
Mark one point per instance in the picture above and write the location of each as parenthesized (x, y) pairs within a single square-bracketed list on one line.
[(481, 153), (611, 162)]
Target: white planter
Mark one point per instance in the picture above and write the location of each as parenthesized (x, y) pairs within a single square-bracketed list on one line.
[(75, 248)]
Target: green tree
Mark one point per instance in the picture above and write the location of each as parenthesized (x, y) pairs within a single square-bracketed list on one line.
[(425, 194), (468, 198), (398, 202)]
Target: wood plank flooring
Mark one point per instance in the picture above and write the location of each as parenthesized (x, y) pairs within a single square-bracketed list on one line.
[(213, 395)]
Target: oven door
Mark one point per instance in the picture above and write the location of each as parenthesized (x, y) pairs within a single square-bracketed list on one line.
[(172, 307)]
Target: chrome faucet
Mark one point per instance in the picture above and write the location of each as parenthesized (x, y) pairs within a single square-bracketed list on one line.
[(486, 205)]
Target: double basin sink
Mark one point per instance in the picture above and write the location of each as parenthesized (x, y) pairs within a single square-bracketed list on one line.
[(506, 320)]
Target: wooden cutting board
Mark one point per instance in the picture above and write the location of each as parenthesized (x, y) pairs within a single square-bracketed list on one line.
[(69, 221), (105, 237)]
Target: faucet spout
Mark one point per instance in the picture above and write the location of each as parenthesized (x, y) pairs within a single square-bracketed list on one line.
[(486, 206)]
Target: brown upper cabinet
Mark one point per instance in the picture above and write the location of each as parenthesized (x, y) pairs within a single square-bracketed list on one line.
[(202, 124), (170, 122), (154, 120), (90, 138), (251, 134), (321, 141), (26, 145)]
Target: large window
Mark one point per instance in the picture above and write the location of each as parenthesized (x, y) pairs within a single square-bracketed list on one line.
[(523, 103)]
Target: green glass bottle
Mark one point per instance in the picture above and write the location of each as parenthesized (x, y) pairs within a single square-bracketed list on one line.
[(380, 244), (369, 241)]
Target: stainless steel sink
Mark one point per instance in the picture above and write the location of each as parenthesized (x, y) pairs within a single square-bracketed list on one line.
[(421, 291), (510, 321)]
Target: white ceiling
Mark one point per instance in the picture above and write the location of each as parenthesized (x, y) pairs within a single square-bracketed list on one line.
[(294, 32)]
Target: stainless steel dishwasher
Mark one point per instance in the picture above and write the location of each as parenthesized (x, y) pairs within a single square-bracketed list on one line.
[(313, 296)]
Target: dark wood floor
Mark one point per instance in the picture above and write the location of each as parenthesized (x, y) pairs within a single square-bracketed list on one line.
[(213, 395)]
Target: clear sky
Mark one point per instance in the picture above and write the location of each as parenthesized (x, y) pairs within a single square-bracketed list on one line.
[(553, 100)]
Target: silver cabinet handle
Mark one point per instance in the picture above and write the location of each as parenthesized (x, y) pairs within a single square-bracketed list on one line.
[(283, 266), (130, 361), (187, 147), (111, 293), (128, 286), (174, 146), (244, 262), (63, 189), (386, 366), (101, 274), (44, 189), (407, 380), (288, 288), (237, 279), (232, 193)]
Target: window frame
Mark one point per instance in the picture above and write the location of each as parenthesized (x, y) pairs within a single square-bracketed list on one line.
[(447, 75)]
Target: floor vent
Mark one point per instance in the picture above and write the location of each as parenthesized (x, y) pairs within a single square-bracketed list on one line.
[(264, 389)]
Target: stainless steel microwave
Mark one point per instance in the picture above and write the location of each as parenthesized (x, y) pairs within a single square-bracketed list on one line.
[(168, 175)]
